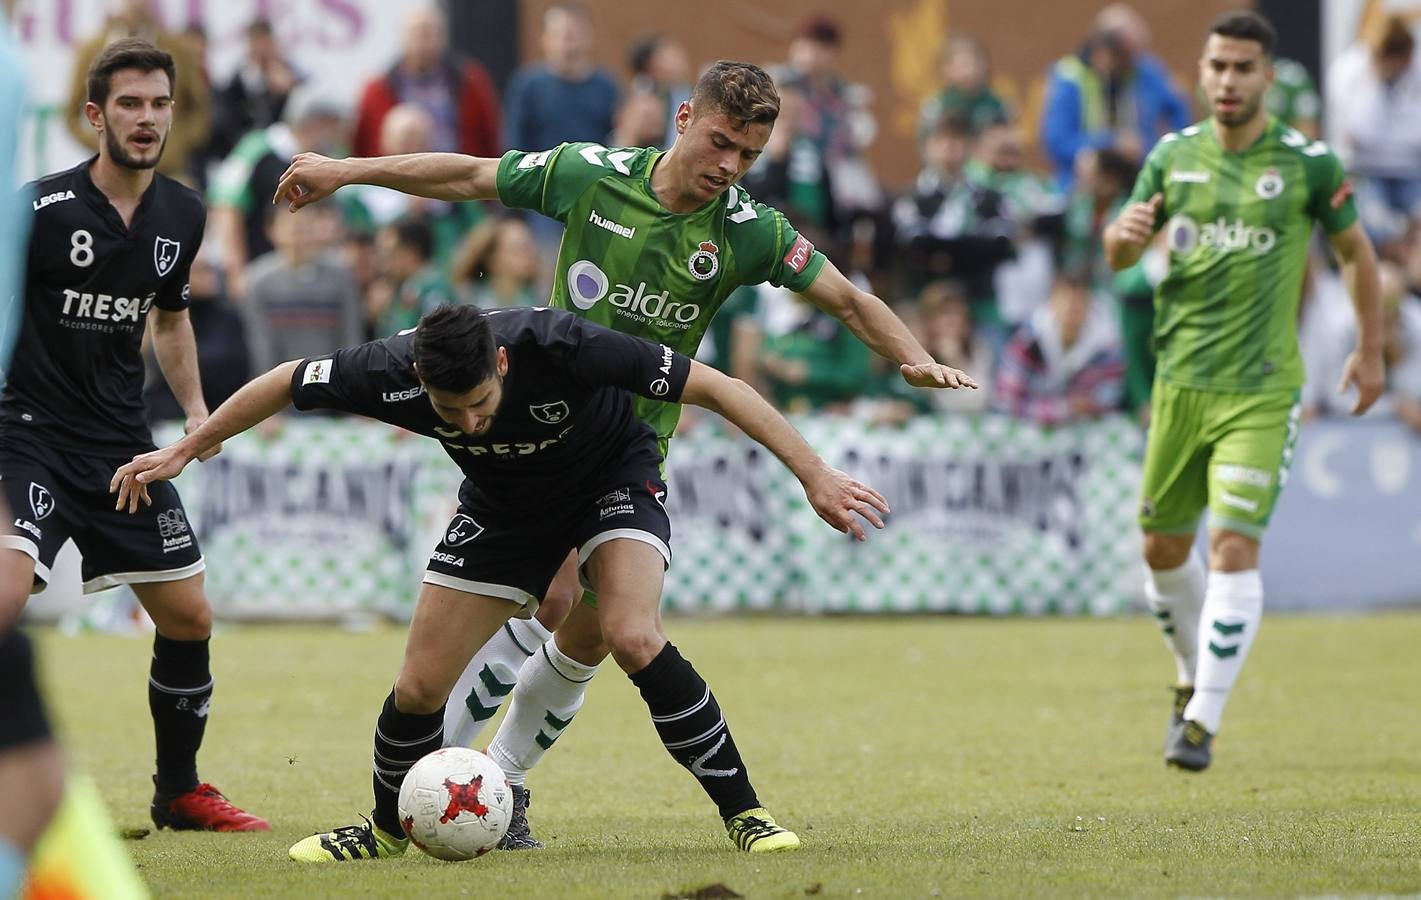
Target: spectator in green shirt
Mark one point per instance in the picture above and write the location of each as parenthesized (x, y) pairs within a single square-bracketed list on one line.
[(410, 283), (966, 88)]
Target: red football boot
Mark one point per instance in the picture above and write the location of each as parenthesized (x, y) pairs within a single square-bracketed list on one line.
[(204, 809)]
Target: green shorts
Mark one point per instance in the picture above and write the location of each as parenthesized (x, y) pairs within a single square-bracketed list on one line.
[(1227, 452), (663, 443)]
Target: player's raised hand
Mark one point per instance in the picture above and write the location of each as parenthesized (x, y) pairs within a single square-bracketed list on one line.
[(936, 375), (1136, 223), (840, 500), (309, 178), (1367, 372), (132, 479)]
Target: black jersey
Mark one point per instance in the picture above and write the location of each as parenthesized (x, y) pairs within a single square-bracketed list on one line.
[(76, 378), (566, 418)]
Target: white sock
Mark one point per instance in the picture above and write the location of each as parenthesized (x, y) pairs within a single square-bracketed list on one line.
[(1233, 610), (488, 679), (1176, 597), (548, 695)]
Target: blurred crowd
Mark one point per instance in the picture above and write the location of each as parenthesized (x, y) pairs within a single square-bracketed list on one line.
[(993, 258)]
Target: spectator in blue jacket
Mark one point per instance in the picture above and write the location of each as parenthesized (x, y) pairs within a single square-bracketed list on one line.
[(1104, 97)]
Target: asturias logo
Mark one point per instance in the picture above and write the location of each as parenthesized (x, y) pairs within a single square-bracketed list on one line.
[(587, 285)]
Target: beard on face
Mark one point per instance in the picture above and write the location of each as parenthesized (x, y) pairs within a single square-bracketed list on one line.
[(1244, 113), (120, 155)]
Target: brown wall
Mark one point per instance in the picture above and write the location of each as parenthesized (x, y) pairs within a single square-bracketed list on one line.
[(892, 45)]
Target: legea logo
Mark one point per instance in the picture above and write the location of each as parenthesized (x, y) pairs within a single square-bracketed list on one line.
[(1185, 235), (587, 285)]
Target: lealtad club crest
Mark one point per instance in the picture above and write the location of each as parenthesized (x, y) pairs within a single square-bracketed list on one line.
[(165, 255)]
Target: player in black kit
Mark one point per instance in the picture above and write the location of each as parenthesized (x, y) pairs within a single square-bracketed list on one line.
[(111, 241), (536, 408)]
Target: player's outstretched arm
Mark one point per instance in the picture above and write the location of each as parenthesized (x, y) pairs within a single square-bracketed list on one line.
[(835, 496), (1132, 230), (258, 400), (1364, 367), (870, 319), (439, 176)]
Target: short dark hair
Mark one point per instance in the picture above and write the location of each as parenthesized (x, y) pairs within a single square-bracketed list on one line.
[(454, 349), (128, 53), (1246, 25), (1117, 166), (416, 235), (1395, 40), (741, 90), (640, 52), (260, 26), (822, 30)]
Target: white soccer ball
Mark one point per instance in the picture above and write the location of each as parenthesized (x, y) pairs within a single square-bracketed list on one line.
[(455, 804)]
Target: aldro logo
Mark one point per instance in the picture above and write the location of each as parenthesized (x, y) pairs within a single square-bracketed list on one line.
[(1187, 235), (588, 285)]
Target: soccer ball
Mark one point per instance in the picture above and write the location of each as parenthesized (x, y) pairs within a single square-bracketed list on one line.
[(455, 804)]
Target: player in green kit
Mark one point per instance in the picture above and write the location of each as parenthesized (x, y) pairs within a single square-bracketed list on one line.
[(1237, 196), (654, 243)]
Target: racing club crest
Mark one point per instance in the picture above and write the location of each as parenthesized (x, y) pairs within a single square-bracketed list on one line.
[(1269, 185), (705, 262), (165, 255)]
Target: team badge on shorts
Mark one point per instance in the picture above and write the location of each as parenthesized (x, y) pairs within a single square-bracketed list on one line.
[(1269, 184), (705, 262), (165, 255), (41, 503), (550, 413), (462, 529)]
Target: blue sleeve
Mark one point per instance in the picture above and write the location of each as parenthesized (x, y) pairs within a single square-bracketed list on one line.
[(1061, 132), (14, 205), (514, 115), (1172, 105), (613, 101)]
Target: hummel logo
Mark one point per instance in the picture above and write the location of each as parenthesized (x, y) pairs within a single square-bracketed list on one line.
[(615, 227)]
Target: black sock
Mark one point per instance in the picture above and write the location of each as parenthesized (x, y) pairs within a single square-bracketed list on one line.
[(179, 693), (694, 732), (401, 740)]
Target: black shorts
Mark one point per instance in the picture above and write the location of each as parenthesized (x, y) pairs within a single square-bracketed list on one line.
[(55, 495), (490, 552), (22, 719)]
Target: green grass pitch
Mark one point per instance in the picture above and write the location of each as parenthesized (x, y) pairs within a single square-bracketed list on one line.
[(916, 757)]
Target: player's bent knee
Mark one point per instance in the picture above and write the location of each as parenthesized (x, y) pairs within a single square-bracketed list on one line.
[(190, 620), (417, 696), (556, 605), (1167, 551), (634, 646), (1230, 551)]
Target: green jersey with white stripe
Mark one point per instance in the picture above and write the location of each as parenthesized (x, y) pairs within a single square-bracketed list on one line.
[(1237, 227), (630, 264)]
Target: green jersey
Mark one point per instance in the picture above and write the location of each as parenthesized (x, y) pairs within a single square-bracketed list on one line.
[(1237, 227), (628, 263)]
